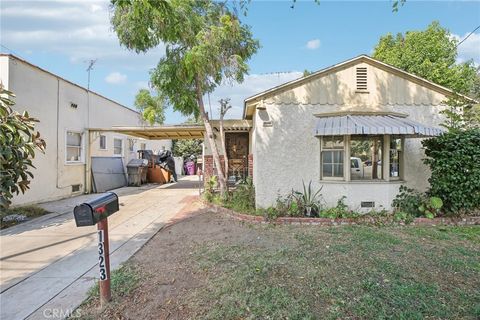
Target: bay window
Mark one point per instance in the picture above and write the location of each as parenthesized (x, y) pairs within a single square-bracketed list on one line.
[(361, 157)]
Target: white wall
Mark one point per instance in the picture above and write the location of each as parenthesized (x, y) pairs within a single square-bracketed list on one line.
[(288, 152), (48, 98)]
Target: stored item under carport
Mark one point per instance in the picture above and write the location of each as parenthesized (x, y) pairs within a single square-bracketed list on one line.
[(136, 169)]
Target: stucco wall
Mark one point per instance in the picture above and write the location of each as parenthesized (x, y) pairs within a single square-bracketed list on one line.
[(48, 98), (287, 152)]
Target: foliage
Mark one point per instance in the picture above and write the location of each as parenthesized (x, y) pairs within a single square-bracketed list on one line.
[(151, 107), (461, 113), (210, 186), (309, 200), (431, 207), (430, 54), (454, 158), (27, 211), (407, 203), (242, 199), (206, 45), (187, 147), (339, 211), (18, 142)]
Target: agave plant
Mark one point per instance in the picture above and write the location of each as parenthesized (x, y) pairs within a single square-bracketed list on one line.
[(309, 199)]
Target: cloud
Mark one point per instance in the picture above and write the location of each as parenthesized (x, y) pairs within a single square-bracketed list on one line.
[(238, 92), (80, 30), (313, 44), (116, 78), (469, 49)]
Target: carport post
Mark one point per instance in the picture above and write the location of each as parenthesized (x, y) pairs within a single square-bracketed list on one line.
[(104, 262)]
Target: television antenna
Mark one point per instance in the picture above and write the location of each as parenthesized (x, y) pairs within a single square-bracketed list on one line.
[(90, 68)]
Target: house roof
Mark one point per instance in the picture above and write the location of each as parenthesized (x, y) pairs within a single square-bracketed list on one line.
[(362, 58)]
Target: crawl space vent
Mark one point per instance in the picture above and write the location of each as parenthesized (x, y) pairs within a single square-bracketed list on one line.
[(367, 204), (76, 187), (361, 78)]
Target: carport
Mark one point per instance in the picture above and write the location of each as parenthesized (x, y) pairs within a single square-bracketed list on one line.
[(149, 133)]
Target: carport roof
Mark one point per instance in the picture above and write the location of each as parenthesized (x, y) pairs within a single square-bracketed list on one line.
[(166, 132)]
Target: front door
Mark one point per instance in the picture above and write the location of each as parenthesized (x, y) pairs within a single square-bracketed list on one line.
[(237, 153)]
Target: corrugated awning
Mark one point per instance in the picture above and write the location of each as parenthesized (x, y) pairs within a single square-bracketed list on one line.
[(372, 125)]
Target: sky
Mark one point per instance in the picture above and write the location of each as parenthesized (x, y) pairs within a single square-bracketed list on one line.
[(63, 36)]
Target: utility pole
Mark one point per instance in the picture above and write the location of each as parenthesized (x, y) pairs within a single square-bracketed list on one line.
[(90, 68)]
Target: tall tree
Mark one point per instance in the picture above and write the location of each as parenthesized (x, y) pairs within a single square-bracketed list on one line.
[(206, 44), (430, 54), (151, 107), (224, 107), (18, 142)]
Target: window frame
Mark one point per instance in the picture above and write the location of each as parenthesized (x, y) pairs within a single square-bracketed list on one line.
[(370, 137), (121, 154), (100, 142), (401, 168), (322, 149), (81, 148)]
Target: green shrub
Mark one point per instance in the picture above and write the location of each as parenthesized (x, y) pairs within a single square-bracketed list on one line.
[(431, 207), (454, 160), (339, 211), (309, 200), (242, 199), (408, 201), (210, 186)]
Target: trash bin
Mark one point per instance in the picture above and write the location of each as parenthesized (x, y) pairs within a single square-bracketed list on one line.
[(190, 166), (135, 171)]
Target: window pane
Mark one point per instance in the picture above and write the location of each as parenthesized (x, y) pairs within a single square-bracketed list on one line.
[(338, 170), (394, 163), (103, 142), (338, 157), (327, 170), (366, 158), (333, 142), (117, 146), (327, 156), (73, 154), (74, 139)]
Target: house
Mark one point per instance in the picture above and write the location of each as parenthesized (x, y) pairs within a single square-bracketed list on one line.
[(353, 129), (66, 112)]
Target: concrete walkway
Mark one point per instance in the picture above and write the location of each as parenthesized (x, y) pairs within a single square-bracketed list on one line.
[(48, 264)]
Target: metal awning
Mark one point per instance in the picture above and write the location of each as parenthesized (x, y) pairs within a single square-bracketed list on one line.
[(371, 125)]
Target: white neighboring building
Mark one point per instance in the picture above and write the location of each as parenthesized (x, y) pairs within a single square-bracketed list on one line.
[(66, 111)]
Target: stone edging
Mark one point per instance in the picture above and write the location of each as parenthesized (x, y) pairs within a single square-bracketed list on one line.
[(340, 221)]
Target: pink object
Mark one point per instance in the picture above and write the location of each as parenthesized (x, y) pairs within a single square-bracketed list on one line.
[(190, 168)]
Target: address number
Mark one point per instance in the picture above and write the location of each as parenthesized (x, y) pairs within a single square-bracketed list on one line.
[(101, 256)]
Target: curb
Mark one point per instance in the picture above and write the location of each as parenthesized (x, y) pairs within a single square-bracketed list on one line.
[(461, 221)]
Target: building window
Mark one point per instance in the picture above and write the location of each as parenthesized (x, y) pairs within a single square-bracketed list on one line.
[(103, 142), (366, 158), (332, 156), (74, 147), (131, 144), (395, 156), (117, 147), (143, 146)]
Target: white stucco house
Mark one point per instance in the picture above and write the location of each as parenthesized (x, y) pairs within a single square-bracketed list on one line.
[(67, 112), (353, 129)]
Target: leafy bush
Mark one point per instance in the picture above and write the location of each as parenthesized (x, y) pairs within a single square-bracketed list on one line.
[(454, 160), (408, 201), (18, 141), (210, 186), (242, 199), (431, 207), (339, 211)]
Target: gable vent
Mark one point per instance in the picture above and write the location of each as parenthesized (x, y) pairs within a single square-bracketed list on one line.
[(361, 78)]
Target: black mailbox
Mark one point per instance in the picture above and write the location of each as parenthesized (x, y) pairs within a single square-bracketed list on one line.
[(89, 213)]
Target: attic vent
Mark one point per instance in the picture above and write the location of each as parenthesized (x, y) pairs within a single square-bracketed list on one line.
[(367, 204), (361, 78)]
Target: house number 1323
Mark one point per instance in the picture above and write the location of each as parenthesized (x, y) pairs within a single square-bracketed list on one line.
[(101, 256)]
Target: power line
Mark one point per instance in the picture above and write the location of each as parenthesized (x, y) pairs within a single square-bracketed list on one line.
[(467, 36), (11, 51)]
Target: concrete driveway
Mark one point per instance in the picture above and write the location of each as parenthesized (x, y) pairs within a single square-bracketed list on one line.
[(48, 264)]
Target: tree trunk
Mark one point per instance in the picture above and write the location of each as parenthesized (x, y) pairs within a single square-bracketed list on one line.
[(211, 140), (224, 148)]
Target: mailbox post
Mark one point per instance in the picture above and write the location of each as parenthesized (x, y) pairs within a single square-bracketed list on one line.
[(97, 212)]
